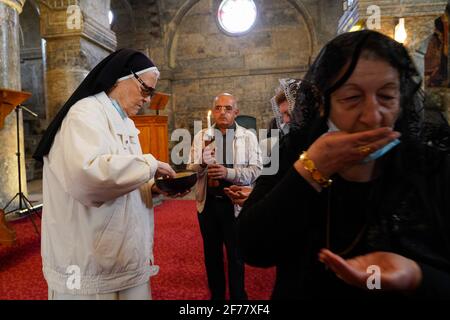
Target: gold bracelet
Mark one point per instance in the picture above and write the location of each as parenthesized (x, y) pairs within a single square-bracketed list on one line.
[(309, 165)]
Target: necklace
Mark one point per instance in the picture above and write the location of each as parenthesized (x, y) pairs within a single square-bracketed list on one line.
[(358, 237)]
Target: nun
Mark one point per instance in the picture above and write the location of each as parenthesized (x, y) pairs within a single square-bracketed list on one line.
[(97, 222)]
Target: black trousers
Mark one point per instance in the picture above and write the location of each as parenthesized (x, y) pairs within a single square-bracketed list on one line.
[(218, 227)]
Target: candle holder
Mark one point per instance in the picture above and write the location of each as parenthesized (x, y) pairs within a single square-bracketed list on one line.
[(209, 138)]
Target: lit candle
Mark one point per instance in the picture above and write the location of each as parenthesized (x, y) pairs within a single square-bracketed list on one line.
[(209, 122), (400, 34)]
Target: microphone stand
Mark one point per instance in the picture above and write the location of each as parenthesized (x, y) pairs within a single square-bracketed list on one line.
[(25, 205)]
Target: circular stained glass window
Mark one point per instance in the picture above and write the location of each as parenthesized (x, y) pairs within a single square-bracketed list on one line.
[(236, 16)]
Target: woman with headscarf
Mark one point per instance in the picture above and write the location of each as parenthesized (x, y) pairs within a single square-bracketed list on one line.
[(282, 103), (97, 224), (360, 206)]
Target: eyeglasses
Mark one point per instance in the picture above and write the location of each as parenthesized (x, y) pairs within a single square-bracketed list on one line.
[(146, 91), (227, 109)]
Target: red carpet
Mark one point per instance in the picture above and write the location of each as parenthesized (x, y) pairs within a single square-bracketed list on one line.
[(178, 252)]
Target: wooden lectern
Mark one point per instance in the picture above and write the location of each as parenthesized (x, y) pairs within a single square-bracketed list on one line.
[(159, 101), (154, 137), (9, 99)]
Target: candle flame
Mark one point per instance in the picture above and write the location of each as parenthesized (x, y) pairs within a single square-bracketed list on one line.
[(400, 34), (209, 113)]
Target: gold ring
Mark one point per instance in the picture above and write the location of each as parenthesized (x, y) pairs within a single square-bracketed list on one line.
[(364, 150)]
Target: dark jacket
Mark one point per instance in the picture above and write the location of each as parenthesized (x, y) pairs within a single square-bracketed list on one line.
[(283, 222)]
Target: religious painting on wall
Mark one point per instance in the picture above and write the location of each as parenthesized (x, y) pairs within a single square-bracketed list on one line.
[(436, 57)]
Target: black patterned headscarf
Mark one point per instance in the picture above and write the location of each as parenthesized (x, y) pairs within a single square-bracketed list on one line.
[(115, 67), (344, 51)]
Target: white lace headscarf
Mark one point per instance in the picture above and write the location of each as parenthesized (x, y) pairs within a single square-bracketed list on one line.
[(290, 88)]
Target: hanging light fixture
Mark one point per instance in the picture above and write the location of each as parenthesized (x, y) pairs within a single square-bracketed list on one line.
[(400, 31)]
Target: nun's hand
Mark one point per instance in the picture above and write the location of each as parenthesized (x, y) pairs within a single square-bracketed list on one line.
[(335, 151), (395, 271), (164, 170), (157, 190)]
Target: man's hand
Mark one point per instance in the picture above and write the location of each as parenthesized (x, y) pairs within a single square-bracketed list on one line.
[(238, 194), (208, 155), (397, 272), (217, 171)]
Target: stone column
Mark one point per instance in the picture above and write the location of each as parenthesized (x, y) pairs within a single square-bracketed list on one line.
[(10, 79), (419, 21), (78, 36)]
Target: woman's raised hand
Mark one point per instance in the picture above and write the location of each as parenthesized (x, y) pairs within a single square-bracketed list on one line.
[(335, 151)]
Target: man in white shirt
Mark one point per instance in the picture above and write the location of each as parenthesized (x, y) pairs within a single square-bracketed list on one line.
[(233, 158)]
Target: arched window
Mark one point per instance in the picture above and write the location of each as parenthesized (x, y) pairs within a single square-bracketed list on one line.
[(236, 17)]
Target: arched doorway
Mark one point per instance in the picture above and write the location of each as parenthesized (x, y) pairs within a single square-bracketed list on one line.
[(32, 80)]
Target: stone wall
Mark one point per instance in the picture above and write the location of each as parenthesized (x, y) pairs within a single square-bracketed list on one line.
[(137, 23), (198, 60), (72, 52), (441, 100), (32, 78), (207, 62), (52, 69)]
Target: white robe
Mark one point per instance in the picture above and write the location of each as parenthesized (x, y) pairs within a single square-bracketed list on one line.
[(97, 229)]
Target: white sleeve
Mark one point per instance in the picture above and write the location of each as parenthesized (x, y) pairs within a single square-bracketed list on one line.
[(94, 174), (248, 174)]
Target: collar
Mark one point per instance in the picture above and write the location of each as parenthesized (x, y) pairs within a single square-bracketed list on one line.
[(232, 127), (239, 131), (119, 109), (121, 125)]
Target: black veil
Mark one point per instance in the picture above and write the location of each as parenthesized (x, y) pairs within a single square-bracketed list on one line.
[(313, 98), (101, 78)]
